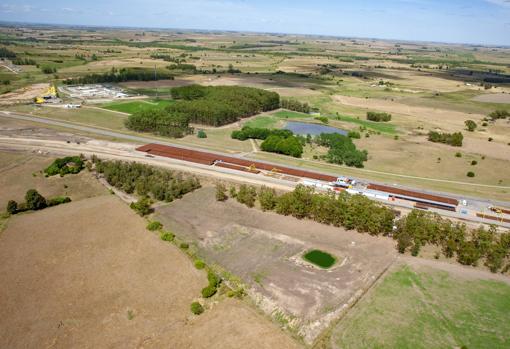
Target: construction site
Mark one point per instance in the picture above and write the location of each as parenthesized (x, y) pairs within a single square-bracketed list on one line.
[(406, 198)]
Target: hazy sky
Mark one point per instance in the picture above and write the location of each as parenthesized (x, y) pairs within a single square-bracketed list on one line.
[(466, 21)]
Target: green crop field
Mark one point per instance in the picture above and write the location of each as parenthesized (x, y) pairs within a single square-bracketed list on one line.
[(135, 106), (429, 309)]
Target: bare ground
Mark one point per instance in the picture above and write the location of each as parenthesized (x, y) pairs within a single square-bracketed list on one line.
[(264, 249), (87, 274)]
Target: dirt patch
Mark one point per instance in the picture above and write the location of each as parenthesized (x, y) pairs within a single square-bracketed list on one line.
[(264, 250), (24, 94), (503, 98), (73, 276)]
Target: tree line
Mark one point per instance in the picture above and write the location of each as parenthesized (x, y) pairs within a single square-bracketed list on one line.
[(145, 180), (34, 201), (378, 116), (453, 139), (121, 75), (420, 228), (248, 132), (292, 104), (411, 232), (6, 53)]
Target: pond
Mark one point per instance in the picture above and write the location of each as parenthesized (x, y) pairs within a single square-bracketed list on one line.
[(303, 128), (320, 258)]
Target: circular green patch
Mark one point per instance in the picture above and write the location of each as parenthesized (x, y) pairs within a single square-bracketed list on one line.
[(320, 258)]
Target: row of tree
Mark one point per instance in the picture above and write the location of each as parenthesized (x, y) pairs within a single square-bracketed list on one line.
[(378, 116), (145, 180), (6, 53), (124, 74), (499, 114), (412, 232), (35, 201), (248, 132), (292, 104), (220, 105), (159, 121), (420, 228), (453, 139), (342, 150)]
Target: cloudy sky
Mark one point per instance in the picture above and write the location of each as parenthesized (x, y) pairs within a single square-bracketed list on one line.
[(464, 21)]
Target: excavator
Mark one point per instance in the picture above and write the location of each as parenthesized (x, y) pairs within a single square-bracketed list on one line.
[(50, 94)]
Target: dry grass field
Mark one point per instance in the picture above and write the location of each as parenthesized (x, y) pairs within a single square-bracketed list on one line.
[(264, 250), (88, 274)]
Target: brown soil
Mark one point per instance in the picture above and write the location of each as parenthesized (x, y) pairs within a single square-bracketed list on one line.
[(22, 174), (24, 94), (74, 275)]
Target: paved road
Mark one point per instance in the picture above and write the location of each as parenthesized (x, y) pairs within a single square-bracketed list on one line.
[(475, 203)]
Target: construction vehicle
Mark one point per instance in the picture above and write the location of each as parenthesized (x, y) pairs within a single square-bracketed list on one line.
[(49, 95)]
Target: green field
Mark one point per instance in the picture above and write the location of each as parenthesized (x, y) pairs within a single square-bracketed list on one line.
[(319, 258), (376, 126), (428, 309), (274, 120), (135, 106)]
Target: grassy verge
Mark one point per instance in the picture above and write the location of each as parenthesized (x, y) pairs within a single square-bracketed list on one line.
[(430, 309), (135, 106)]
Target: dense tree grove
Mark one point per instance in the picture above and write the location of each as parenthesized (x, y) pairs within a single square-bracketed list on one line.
[(378, 116), (121, 75), (454, 139), (420, 228), (159, 121), (341, 150), (146, 180), (290, 145), (258, 133), (220, 105), (292, 104), (66, 165)]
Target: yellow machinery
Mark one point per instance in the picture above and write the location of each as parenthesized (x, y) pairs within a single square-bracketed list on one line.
[(50, 94)]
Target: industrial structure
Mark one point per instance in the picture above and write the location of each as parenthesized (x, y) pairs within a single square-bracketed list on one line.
[(388, 194)]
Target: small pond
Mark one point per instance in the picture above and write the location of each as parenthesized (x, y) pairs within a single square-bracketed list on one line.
[(320, 258), (303, 128)]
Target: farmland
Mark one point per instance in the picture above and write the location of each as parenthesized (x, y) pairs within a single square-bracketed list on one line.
[(281, 278), (441, 310)]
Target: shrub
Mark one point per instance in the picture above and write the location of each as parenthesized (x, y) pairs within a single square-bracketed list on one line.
[(221, 192), (474, 162), (499, 114), (267, 198), (490, 139), (66, 165), (199, 264), (470, 125), (197, 308), (154, 225), (458, 155), (213, 279), (246, 195), (470, 174), (378, 117), (142, 206), (201, 134), (12, 207), (322, 119), (167, 236), (184, 245), (34, 200), (209, 291), (454, 139), (58, 200), (354, 134)]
